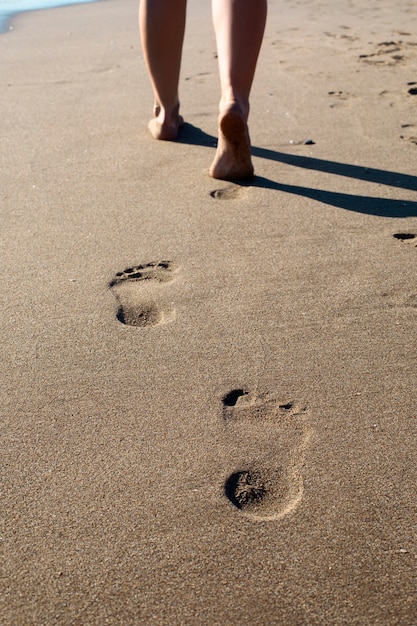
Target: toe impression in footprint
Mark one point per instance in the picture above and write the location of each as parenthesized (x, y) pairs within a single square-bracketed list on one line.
[(138, 294), (268, 440)]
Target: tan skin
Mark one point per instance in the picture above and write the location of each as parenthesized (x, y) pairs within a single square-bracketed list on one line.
[(239, 27)]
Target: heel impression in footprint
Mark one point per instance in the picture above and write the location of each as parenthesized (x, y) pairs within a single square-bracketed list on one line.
[(138, 296), (273, 435)]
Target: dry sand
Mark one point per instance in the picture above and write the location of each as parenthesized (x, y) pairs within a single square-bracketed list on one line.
[(272, 361)]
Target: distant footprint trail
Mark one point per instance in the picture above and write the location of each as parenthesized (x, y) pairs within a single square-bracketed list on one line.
[(269, 439), (139, 294)]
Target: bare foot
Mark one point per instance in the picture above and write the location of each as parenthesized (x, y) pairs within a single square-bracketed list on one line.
[(233, 159), (165, 127)]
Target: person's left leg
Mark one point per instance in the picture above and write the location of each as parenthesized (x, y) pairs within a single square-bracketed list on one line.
[(162, 26)]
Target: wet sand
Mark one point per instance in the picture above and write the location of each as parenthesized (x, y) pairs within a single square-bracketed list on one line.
[(209, 389)]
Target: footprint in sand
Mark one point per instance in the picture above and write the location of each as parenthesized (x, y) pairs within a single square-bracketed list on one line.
[(409, 133), (139, 294), (391, 53), (269, 439), (386, 53), (199, 78), (231, 192), (343, 36), (340, 99), (410, 238), (399, 300)]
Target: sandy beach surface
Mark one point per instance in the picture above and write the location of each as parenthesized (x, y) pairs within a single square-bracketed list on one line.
[(209, 389)]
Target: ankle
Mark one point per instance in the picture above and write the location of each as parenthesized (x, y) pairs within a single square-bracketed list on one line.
[(235, 105), (166, 115)]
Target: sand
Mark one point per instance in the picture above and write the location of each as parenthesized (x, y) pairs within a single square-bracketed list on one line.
[(209, 389)]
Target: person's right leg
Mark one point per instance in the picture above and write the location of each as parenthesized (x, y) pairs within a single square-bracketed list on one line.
[(239, 26), (162, 26)]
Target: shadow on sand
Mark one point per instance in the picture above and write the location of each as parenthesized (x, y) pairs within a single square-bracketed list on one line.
[(384, 207)]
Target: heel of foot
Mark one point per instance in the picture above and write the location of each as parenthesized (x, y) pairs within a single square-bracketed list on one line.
[(233, 155), (234, 129), (165, 132)]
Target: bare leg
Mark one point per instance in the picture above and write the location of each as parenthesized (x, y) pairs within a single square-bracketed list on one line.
[(162, 26), (239, 26)]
